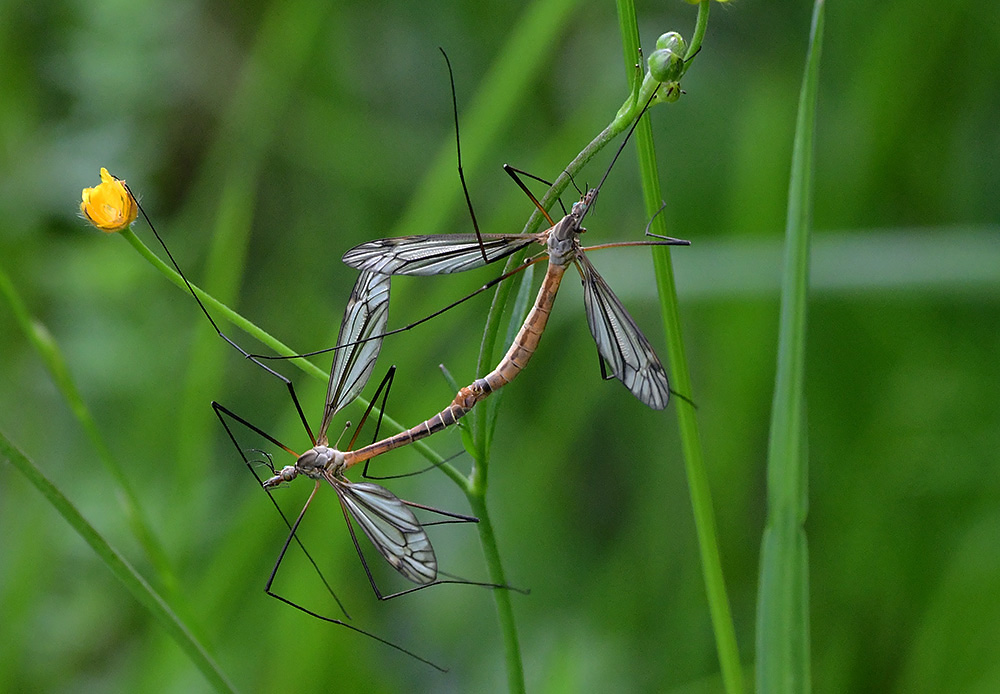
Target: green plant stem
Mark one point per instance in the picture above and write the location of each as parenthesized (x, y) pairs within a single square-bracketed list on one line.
[(701, 498), (783, 598), (478, 484), (623, 119), (700, 29), (120, 567), (501, 596), (480, 432)]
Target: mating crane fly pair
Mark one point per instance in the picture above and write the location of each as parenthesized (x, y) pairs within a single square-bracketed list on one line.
[(386, 520)]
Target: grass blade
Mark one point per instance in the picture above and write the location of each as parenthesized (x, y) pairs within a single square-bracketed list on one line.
[(783, 598), (119, 566), (46, 347)]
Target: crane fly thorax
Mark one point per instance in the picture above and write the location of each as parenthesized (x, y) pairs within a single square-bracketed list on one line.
[(320, 460), (562, 237)]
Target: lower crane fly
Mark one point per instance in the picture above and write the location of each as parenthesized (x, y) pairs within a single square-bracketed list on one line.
[(385, 519)]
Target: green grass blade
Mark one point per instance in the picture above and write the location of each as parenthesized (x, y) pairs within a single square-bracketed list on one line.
[(119, 566), (46, 347), (701, 499), (783, 599)]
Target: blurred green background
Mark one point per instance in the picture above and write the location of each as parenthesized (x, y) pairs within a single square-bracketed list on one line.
[(314, 126)]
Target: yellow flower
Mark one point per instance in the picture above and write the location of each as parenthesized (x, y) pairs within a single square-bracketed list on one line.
[(109, 206)]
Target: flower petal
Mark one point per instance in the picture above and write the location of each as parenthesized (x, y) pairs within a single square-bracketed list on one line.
[(109, 206)]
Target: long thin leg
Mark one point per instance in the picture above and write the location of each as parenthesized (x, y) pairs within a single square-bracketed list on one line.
[(492, 283), (311, 613), (663, 206), (512, 172), (287, 382), (220, 410), (366, 473), (385, 385)]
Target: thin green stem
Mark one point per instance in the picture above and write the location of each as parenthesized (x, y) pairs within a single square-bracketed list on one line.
[(701, 499), (501, 596), (700, 28), (47, 348), (480, 432)]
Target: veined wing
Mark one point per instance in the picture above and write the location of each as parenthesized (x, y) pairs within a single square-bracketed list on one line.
[(620, 342), (366, 315), (434, 254), (391, 527)]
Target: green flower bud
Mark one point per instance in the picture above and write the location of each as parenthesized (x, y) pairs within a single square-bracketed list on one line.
[(669, 92), (672, 41), (666, 65)]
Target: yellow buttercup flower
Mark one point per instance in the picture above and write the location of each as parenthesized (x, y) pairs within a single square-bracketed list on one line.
[(109, 206)]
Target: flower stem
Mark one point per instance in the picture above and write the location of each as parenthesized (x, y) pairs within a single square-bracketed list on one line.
[(701, 499)]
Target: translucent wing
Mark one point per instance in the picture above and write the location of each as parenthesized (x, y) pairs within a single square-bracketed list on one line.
[(620, 342), (366, 315), (435, 254), (391, 527)]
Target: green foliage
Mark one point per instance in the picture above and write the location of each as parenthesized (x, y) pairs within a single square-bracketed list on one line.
[(302, 128)]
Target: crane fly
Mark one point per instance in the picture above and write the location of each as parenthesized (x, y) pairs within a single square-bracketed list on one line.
[(385, 519), (620, 342)]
